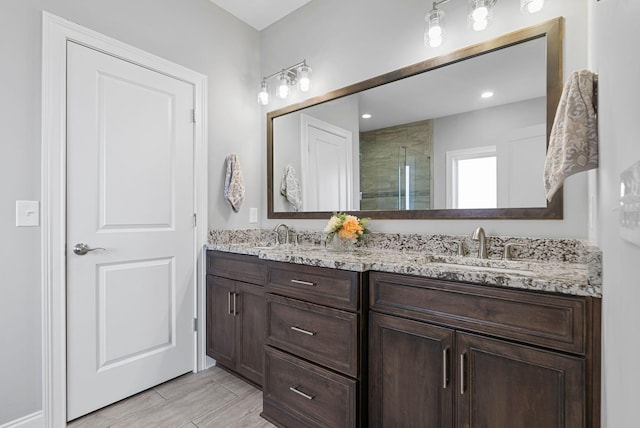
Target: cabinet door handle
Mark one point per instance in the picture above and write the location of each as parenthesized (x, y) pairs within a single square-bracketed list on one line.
[(445, 368), (462, 373), (300, 393), (301, 330), (229, 310), (297, 281), (235, 302)]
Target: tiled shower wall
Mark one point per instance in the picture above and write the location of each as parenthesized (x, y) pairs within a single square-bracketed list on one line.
[(380, 161)]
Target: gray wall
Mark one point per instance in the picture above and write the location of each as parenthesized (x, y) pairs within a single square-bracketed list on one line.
[(193, 33), (613, 27), (348, 41)]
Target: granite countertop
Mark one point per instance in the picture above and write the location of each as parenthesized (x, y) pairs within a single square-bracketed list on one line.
[(581, 276)]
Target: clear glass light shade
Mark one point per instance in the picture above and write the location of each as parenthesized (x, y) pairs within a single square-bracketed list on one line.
[(531, 6), (263, 95), (304, 78), (480, 14), (283, 87), (434, 28)]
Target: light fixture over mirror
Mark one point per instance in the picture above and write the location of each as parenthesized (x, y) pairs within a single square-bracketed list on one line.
[(417, 116), (298, 74), (478, 19), (531, 6)]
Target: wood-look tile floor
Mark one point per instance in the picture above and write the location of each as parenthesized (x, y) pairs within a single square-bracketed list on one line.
[(211, 398)]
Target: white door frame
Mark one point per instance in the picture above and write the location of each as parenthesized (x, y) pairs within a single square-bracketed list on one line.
[(56, 32)]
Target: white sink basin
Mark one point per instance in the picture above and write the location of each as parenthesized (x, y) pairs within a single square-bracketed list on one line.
[(486, 265), (494, 269)]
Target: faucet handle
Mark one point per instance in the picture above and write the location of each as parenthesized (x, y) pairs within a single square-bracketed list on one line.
[(507, 249), (460, 252)]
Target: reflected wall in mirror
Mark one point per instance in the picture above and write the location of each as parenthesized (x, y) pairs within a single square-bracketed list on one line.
[(458, 136)]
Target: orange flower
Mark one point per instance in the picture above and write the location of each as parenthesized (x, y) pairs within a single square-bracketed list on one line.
[(351, 229)]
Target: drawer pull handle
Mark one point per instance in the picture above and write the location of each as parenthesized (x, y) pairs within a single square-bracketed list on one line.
[(445, 368), (297, 281), (235, 304), (462, 373), (301, 330), (300, 393)]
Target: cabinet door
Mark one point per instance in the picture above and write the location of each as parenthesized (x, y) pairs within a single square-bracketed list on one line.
[(250, 331), (502, 384), (410, 374), (221, 320)]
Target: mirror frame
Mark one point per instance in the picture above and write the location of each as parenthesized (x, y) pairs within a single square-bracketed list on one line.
[(552, 30)]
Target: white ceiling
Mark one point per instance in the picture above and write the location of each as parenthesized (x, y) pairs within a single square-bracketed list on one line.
[(260, 13)]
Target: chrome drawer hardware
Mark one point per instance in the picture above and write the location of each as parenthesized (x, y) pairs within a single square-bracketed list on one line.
[(300, 393), (462, 373), (445, 368), (232, 308), (310, 284), (300, 330)]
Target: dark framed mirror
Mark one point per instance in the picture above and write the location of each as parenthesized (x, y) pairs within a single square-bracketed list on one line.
[(460, 136)]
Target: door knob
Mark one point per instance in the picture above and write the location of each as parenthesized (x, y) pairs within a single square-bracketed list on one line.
[(82, 249)]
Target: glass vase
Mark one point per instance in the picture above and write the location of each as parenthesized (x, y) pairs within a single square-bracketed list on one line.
[(339, 245)]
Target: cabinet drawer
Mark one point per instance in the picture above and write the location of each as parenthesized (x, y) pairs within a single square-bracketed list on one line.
[(317, 333), (541, 319), (238, 267), (331, 287), (312, 396)]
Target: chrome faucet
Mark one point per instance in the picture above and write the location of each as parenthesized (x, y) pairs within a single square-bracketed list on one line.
[(277, 231), (507, 250), (478, 235)]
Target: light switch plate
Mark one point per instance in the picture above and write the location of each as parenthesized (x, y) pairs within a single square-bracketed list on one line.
[(27, 213), (253, 215)]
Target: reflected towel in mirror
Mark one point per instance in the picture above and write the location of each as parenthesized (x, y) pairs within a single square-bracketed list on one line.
[(290, 187), (233, 182), (573, 143)]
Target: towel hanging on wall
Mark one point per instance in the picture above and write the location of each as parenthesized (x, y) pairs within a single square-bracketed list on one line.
[(573, 143), (233, 182), (290, 187)]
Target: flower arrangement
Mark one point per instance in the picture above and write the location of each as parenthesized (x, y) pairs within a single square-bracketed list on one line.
[(347, 227)]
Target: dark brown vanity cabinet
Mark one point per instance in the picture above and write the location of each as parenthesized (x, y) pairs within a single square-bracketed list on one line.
[(445, 354), (316, 343), (236, 313)]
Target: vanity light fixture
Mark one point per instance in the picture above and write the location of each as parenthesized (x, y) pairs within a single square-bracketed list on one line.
[(434, 25), (480, 13), (478, 19), (297, 74), (531, 6)]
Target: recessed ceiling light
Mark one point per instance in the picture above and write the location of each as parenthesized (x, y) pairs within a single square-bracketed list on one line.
[(487, 94), (366, 116)]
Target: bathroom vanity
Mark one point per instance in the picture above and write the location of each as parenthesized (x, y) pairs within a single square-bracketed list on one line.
[(389, 338)]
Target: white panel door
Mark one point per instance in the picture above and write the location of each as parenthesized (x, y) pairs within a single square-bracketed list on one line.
[(130, 191), (326, 166), (521, 168)]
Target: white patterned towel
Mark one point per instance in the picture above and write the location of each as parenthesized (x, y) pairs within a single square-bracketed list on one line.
[(290, 187), (233, 182), (573, 144)]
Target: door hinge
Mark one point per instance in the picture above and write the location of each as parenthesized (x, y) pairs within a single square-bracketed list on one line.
[(195, 220), (195, 324), (193, 115)]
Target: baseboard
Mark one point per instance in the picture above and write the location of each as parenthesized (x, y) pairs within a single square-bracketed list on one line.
[(34, 420)]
